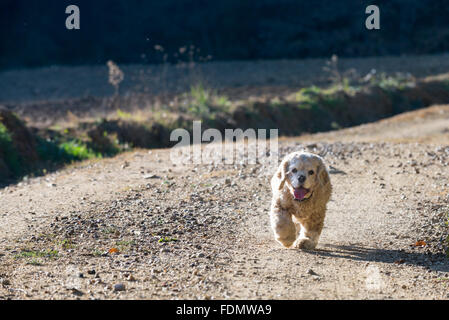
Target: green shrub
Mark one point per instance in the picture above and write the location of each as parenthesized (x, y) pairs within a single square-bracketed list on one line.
[(8, 151), (78, 150), (205, 102)]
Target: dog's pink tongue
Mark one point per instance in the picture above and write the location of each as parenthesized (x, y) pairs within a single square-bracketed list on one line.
[(300, 193)]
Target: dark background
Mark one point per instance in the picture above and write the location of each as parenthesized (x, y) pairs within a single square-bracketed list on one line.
[(33, 32)]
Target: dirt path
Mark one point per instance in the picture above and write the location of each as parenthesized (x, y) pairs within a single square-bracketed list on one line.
[(137, 227)]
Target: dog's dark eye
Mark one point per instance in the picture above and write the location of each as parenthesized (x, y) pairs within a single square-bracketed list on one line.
[(294, 170), (311, 172)]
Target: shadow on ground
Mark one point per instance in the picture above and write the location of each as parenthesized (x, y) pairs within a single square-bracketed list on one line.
[(394, 256)]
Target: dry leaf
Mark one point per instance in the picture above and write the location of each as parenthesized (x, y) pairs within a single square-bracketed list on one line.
[(420, 243), (113, 250)]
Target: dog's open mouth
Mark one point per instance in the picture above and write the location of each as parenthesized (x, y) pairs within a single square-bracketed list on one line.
[(301, 194)]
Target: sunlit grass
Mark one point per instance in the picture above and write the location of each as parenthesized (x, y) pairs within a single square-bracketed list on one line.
[(78, 150), (205, 102), (35, 257)]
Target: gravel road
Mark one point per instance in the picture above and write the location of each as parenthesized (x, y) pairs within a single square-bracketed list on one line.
[(138, 227)]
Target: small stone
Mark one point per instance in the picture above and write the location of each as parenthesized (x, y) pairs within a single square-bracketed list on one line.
[(91, 272), (131, 278), (119, 287), (312, 273), (125, 165), (5, 282), (77, 292)]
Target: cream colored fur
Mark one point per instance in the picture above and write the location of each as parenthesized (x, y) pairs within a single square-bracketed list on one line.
[(299, 224)]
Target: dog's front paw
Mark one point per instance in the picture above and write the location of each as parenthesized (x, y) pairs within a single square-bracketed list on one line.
[(305, 243), (286, 242)]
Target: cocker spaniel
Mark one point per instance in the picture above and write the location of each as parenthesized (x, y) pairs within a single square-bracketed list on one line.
[(301, 189)]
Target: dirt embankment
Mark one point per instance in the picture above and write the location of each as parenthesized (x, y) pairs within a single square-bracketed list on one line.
[(309, 110)]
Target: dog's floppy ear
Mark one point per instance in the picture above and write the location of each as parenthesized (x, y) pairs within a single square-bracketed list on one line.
[(323, 175), (281, 174)]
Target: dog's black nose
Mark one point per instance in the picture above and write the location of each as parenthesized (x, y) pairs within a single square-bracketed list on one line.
[(302, 178)]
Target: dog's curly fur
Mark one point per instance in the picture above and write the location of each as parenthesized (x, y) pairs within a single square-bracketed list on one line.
[(297, 221)]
